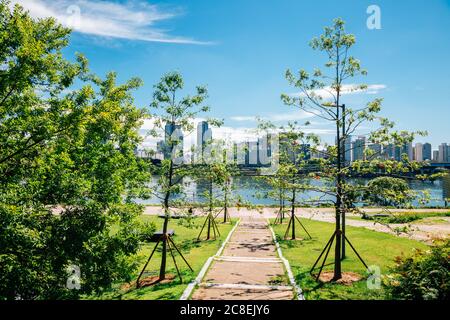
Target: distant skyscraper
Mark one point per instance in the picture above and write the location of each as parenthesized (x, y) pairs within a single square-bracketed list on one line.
[(348, 149), (387, 152), (252, 153), (376, 151), (160, 146), (319, 154), (443, 153), (448, 153), (176, 140), (358, 147), (168, 131), (305, 151), (204, 136), (407, 149), (286, 148), (427, 151), (203, 133), (241, 153), (435, 155), (393, 152), (265, 149), (418, 152)]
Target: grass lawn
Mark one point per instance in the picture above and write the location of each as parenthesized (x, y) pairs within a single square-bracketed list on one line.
[(404, 217), (196, 254), (376, 248)]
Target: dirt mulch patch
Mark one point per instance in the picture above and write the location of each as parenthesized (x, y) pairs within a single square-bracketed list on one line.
[(148, 282), (347, 277)]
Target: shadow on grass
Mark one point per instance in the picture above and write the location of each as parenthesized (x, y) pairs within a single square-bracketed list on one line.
[(307, 282), (137, 293), (289, 244)]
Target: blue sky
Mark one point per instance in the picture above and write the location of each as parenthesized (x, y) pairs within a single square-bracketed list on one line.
[(241, 49)]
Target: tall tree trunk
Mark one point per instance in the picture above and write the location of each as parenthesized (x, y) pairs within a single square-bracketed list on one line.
[(210, 208), (225, 204), (338, 205), (293, 214), (162, 269), (343, 151)]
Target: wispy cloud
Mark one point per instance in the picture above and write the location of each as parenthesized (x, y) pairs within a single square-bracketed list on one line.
[(132, 20), (326, 94), (296, 115), (346, 89)]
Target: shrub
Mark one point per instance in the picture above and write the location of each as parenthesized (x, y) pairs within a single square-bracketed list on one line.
[(147, 231), (423, 276)]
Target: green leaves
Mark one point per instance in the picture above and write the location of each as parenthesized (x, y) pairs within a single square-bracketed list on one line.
[(387, 191), (68, 172), (421, 276)]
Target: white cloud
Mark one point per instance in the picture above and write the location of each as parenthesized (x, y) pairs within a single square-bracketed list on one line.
[(243, 118), (276, 117), (346, 89), (291, 116), (133, 20), (325, 93)]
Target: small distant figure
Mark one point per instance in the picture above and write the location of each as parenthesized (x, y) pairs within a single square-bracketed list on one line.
[(190, 211)]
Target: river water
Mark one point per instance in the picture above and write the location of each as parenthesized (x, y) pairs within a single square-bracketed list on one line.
[(254, 190)]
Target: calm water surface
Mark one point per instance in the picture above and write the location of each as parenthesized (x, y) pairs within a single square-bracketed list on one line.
[(253, 189)]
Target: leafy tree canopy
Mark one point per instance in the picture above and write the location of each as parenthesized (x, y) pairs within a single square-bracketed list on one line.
[(68, 172)]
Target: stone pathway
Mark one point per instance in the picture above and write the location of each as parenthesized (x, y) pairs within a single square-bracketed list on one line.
[(248, 269)]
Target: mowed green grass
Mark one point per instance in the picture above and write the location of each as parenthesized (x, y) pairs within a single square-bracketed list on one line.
[(407, 216), (196, 253), (376, 248)]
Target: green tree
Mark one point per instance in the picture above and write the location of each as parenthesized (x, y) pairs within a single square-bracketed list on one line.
[(216, 170), (295, 147), (213, 174), (291, 178), (175, 117), (320, 94), (229, 195), (68, 172), (388, 191)]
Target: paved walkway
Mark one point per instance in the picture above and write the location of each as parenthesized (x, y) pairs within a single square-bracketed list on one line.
[(248, 269)]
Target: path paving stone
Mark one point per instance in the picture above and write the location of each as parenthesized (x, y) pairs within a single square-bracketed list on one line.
[(236, 294), (244, 272), (248, 269), (250, 249)]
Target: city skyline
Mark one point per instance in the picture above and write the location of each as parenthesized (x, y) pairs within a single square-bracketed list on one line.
[(355, 146)]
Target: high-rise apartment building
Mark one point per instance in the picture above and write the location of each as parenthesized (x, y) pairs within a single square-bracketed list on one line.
[(418, 152), (204, 134), (427, 151), (358, 148), (348, 149), (407, 149), (173, 141), (435, 155), (444, 153), (376, 151)]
